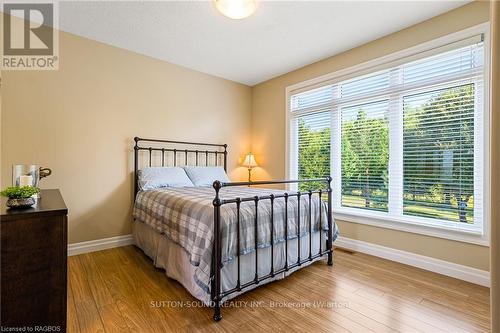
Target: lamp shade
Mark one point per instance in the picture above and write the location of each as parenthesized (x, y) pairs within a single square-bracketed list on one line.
[(249, 161)]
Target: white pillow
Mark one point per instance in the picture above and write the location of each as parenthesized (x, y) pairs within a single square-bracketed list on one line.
[(155, 177), (205, 176)]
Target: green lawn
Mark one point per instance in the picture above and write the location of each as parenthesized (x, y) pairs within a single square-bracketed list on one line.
[(443, 214), (415, 210), (359, 202)]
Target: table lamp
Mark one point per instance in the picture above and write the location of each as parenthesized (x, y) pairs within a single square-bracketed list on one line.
[(249, 163)]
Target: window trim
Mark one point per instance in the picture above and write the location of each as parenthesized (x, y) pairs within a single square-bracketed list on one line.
[(406, 223)]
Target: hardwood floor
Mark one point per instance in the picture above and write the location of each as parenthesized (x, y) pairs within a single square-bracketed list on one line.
[(119, 290)]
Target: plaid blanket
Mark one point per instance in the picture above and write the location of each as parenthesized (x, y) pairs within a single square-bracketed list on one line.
[(185, 216)]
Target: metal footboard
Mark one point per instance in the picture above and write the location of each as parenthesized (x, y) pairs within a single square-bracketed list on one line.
[(216, 293)]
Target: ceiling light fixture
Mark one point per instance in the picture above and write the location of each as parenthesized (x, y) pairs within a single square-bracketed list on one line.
[(236, 9)]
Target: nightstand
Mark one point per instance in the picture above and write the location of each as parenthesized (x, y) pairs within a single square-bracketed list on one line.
[(34, 264)]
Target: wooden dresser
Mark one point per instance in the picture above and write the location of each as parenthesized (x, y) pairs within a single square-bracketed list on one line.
[(33, 262)]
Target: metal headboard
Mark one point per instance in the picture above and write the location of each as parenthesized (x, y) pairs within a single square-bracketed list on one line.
[(158, 146)]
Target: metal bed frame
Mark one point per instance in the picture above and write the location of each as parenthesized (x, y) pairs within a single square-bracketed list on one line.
[(221, 150)]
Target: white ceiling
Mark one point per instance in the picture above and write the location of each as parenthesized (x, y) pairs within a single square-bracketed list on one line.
[(281, 36)]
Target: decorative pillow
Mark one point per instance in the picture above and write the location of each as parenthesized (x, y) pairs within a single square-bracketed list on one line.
[(155, 177), (205, 176)]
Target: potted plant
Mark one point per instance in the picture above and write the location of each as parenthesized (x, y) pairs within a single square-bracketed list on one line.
[(20, 196)]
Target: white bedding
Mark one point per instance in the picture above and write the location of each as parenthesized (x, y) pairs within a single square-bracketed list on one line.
[(175, 260)]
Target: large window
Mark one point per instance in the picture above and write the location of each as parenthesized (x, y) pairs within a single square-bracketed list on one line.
[(403, 143)]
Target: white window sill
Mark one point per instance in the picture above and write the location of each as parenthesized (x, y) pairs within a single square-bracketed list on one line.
[(408, 224)]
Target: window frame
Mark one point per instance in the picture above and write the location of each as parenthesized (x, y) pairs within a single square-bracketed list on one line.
[(407, 223)]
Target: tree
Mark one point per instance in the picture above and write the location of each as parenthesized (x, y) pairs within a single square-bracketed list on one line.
[(439, 145), (365, 155), (314, 155)]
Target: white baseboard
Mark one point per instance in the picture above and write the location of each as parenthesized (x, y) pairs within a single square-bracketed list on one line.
[(457, 271), (443, 267), (99, 244)]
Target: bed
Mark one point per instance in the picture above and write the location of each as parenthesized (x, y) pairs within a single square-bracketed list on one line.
[(222, 240)]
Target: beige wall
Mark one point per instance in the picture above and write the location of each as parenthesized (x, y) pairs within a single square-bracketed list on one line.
[(268, 128), (80, 121)]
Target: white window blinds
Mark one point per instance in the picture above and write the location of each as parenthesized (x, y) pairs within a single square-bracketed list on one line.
[(459, 61), (311, 99), (365, 155), (404, 142), (438, 154), (365, 85), (313, 147)]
